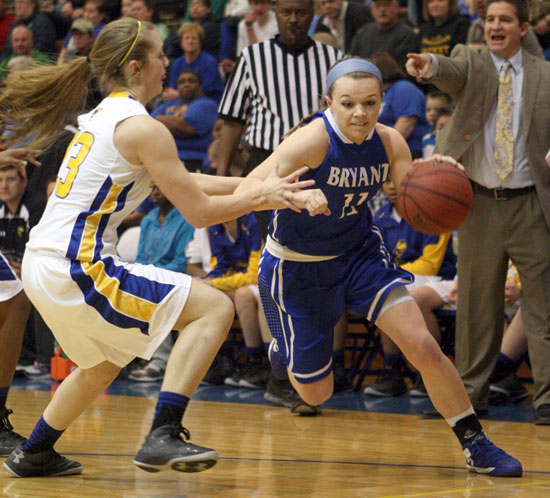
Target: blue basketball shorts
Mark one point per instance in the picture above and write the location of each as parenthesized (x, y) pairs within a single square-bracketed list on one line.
[(303, 301)]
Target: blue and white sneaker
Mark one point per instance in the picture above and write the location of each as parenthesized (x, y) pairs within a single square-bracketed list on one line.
[(483, 457)]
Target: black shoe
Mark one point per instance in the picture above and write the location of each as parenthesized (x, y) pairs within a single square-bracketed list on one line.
[(9, 440), (168, 447), (46, 464), (389, 383), (508, 390), (222, 367), (419, 389), (254, 374), (281, 392), (341, 379), (543, 414)]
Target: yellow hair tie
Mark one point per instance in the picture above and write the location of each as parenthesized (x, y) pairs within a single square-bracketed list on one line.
[(131, 46)]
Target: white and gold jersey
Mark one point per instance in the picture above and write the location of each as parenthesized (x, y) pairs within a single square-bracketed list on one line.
[(96, 187)]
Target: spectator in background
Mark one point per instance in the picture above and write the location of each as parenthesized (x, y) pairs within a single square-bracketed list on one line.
[(190, 118), (436, 102), (217, 7), (14, 216), (258, 24), (403, 104), (163, 240), (80, 41), (476, 32), (28, 12), (539, 18), (236, 249), (144, 10), (6, 19), (386, 34), (23, 44), (205, 65), (444, 27), (342, 19), (126, 8), (429, 257), (201, 13)]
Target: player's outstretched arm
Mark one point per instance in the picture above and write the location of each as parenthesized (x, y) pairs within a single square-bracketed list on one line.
[(143, 140)]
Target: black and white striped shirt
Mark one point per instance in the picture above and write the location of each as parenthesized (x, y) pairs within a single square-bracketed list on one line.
[(274, 87)]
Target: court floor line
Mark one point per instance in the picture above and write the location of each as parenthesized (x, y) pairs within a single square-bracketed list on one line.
[(512, 484), (300, 460)]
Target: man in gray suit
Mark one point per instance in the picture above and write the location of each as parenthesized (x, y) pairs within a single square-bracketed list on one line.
[(510, 217)]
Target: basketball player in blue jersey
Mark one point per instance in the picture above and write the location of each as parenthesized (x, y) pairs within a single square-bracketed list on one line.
[(313, 268), (103, 311)]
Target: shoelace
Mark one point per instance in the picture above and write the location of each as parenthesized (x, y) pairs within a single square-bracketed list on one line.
[(4, 422), (178, 430), (491, 451)]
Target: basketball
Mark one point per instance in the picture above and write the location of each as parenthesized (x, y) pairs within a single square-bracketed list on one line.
[(434, 197)]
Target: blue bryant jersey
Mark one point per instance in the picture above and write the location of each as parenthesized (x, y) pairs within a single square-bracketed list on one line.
[(349, 176)]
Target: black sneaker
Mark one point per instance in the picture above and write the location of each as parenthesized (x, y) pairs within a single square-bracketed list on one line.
[(390, 383), (46, 464), (222, 367), (508, 390), (254, 374), (168, 447), (419, 389), (280, 392), (543, 415), (341, 379), (9, 440)]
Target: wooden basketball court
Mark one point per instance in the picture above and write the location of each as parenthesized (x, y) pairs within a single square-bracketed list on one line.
[(268, 452)]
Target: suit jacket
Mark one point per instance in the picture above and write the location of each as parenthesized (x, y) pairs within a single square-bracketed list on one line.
[(471, 78), (357, 16)]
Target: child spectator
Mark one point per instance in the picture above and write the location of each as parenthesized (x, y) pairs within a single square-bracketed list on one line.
[(236, 248), (435, 102)]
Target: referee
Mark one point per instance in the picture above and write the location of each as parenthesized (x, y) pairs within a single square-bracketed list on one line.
[(274, 85)]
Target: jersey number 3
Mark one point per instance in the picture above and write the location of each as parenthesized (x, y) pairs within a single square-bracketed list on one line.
[(76, 153)]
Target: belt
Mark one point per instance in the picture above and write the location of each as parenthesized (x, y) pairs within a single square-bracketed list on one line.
[(501, 194)]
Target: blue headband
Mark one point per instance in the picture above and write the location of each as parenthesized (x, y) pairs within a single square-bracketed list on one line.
[(351, 66)]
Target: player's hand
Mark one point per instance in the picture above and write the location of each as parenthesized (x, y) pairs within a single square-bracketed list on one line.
[(276, 190), (19, 158), (439, 159), (418, 65), (313, 200)]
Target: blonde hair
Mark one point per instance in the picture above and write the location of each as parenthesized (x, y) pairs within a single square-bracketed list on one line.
[(43, 99), (191, 27)]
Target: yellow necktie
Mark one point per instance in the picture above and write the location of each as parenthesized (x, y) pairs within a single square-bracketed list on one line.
[(504, 137)]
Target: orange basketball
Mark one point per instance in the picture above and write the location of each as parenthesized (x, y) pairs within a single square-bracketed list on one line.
[(435, 197)]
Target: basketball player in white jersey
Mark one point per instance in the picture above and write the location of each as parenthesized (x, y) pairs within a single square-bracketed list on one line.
[(102, 311)]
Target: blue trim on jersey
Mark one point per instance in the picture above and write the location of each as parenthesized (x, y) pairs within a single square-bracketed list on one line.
[(121, 201), (6, 273), (101, 303), (131, 285), (80, 224)]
